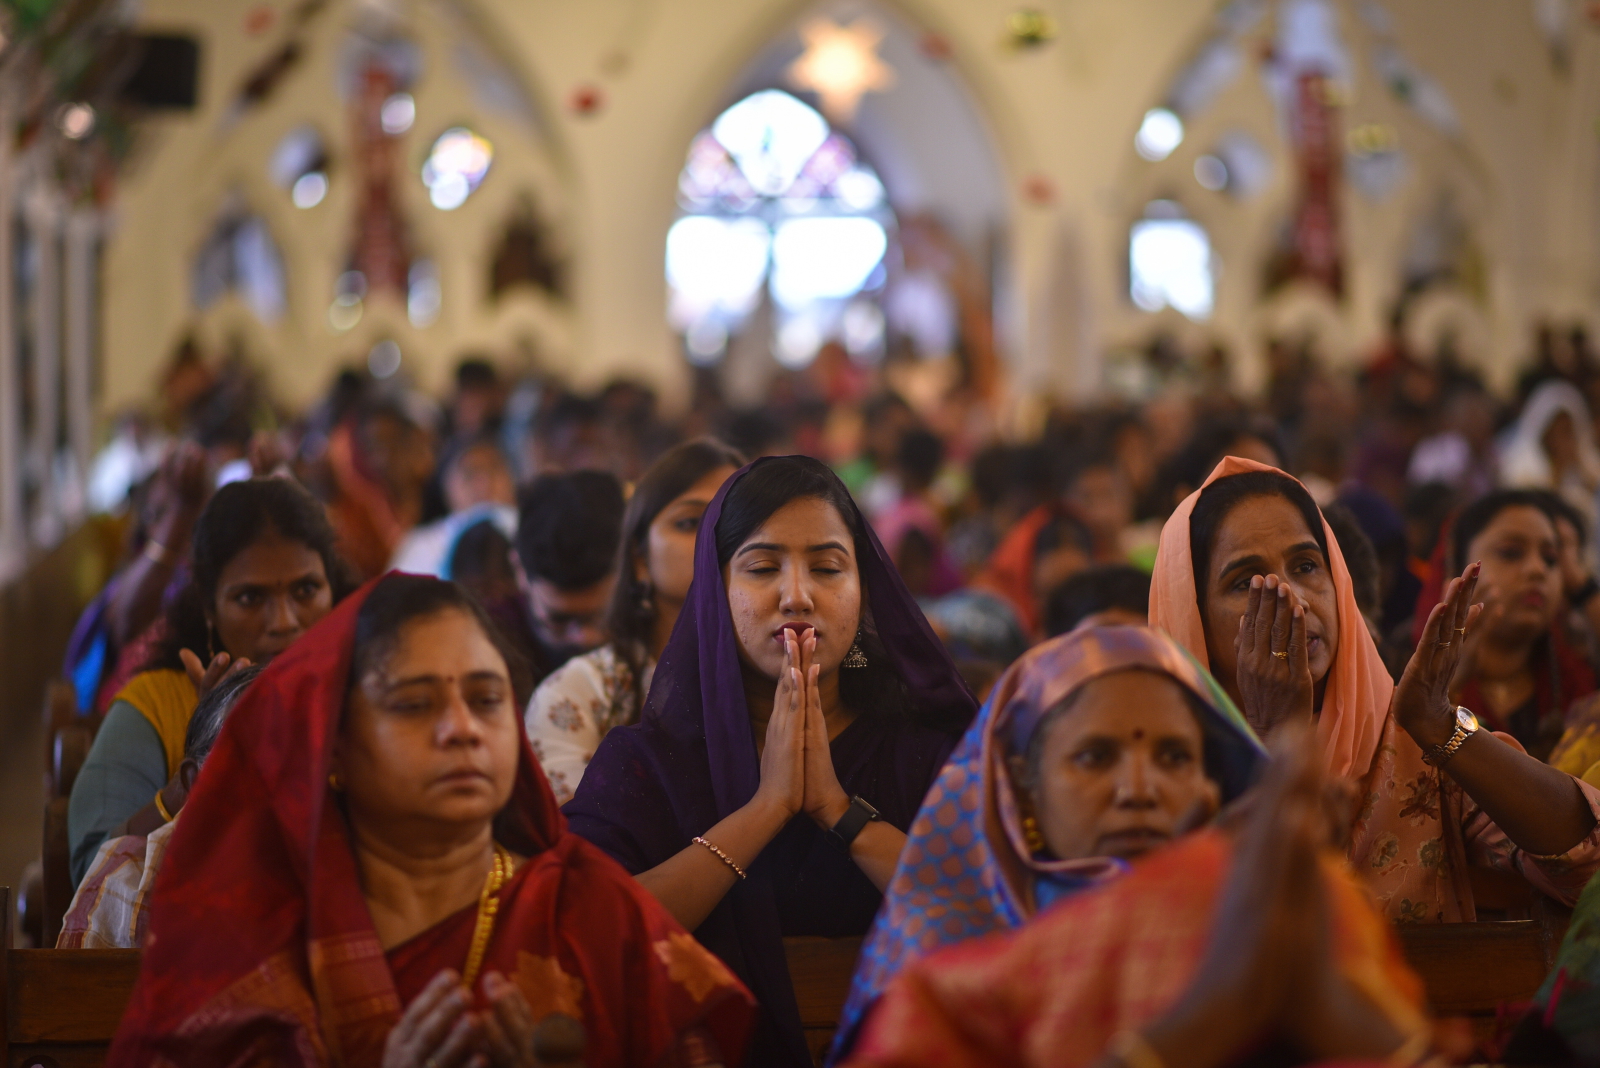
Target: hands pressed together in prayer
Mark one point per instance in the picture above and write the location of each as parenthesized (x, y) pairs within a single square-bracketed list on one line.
[(1269, 969), (796, 764), (440, 1029)]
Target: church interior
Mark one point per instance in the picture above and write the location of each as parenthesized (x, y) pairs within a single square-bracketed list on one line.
[(961, 532)]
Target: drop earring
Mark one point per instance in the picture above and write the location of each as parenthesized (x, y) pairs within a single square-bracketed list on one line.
[(1032, 835), (335, 783), (855, 658)]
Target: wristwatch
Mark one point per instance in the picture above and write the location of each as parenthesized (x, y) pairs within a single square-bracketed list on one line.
[(857, 816), (1466, 727)]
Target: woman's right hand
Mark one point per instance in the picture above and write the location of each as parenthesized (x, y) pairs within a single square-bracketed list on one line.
[(206, 676), (783, 757), (1274, 669), (437, 1030)]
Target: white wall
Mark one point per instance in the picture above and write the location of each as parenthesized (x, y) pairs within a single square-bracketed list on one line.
[(1060, 117)]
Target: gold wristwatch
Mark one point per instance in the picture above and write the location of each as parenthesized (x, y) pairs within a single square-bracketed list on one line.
[(1466, 727)]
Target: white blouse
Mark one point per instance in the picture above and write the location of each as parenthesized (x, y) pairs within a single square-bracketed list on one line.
[(572, 710)]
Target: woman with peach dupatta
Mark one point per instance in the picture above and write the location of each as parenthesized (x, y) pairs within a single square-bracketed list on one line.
[(1250, 580)]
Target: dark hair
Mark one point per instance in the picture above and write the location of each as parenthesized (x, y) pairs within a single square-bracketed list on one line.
[(1359, 556), (1210, 442), (476, 372), (1222, 496), (1559, 507), (399, 599), (632, 612), (481, 560), (1480, 513), (1096, 590), (238, 516), (205, 726), (919, 457), (1064, 531), (769, 486), (568, 527), (1428, 506)]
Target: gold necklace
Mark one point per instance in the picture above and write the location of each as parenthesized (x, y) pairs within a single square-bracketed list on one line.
[(488, 906)]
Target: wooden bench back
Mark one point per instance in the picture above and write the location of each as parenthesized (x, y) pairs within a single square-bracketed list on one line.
[(68, 737), (62, 1006)]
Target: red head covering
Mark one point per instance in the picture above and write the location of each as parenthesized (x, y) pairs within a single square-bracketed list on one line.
[(262, 949), (1355, 704)]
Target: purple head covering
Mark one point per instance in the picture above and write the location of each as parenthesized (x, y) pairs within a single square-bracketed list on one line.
[(691, 761)]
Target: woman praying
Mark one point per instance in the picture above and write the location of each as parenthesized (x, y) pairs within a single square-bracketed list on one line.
[(1517, 671), (1094, 749), (396, 884), (1250, 944), (1249, 581), (578, 704), (264, 570), (799, 713)]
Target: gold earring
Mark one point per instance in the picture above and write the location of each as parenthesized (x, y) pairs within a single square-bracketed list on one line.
[(1032, 835), (855, 658), (335, 783)]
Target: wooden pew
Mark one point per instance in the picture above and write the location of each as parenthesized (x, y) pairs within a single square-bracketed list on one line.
[(1470, 969), (820, 969), (68, 737), (61, 1006)]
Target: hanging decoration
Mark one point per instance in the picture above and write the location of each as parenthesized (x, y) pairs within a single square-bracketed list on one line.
[(379, 257), (841, 65), (1314, 251)]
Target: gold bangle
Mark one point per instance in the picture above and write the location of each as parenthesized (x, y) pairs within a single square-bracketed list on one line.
[(720, 855), (161, 807), (1132, 1049)]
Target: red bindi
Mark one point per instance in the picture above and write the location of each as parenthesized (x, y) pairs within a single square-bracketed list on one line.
[(1138, 735)]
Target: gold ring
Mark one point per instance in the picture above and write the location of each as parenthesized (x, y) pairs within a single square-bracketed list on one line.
[(1281, 656), (1461, 630), (1444, 645)]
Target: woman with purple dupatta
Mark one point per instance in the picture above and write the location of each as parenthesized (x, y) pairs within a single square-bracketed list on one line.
[(799, 714)]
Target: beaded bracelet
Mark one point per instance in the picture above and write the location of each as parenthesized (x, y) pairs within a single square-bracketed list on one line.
[(721, 856)]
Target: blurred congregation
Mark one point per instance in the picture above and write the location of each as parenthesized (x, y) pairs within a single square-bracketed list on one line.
[(1059, 534)]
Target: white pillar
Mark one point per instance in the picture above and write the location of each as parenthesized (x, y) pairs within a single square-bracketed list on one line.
[(81, 326), (13, 539), (43, 214)]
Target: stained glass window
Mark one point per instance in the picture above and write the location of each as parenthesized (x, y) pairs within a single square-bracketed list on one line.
[(774, 197)]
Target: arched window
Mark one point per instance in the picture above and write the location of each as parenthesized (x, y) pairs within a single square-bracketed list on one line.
[(777, 201), (1169, 262)]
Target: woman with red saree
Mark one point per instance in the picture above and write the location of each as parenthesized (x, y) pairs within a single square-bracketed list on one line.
[(1249, 579), (372, 870)]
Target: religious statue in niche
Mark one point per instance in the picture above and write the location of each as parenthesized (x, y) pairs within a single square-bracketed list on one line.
[(525, 255)]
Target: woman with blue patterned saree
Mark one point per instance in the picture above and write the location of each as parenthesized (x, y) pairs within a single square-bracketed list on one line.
[(993, 844)]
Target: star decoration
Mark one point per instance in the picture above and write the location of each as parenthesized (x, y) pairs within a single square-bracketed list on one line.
[(841, 65)]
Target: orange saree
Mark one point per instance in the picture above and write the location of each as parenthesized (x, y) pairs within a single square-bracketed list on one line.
[(1056, 991)]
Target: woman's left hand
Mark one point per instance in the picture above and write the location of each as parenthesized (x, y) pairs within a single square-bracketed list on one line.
[(825, 800), (1421, 703), (510, 1025)]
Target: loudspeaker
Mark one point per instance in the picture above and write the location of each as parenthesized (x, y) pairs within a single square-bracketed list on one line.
[(168, 72)]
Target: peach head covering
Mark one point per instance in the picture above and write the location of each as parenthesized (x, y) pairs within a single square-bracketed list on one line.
[(1356, 701)]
